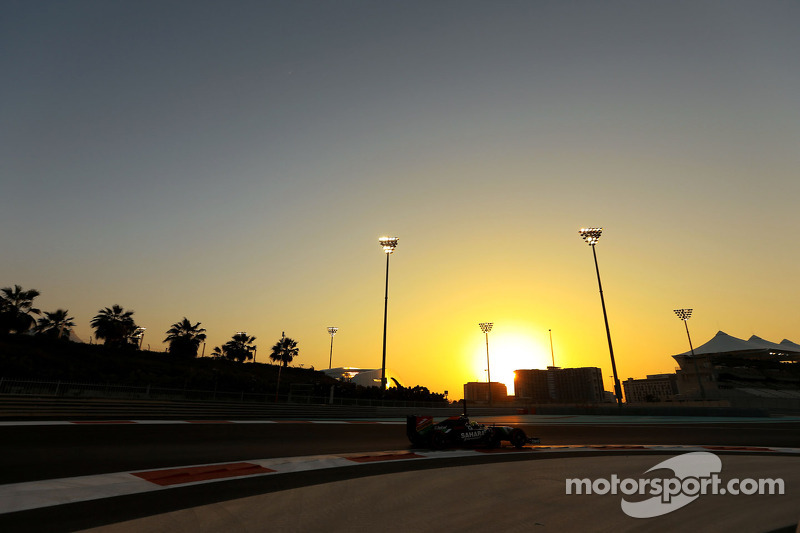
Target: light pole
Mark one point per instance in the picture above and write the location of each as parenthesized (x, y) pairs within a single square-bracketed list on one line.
[(388, 244), (591, 236), (139, 334), (486, 327), (685, 315), (552, 353), (332, 330)]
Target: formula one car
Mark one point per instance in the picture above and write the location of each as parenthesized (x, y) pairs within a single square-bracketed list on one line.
[(459, 431)]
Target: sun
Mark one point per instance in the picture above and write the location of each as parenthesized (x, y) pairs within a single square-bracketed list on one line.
[(509, 351)]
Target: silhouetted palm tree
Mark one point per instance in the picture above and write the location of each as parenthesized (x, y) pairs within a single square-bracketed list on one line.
[(16, 307), (184, 338), (283, 352), (57, 324), (239, 348), (115, 326)]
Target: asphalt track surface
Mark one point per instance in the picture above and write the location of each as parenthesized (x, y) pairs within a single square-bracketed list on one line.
[(46, 452)]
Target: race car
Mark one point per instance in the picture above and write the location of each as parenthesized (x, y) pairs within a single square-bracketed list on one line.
[(459, 431)]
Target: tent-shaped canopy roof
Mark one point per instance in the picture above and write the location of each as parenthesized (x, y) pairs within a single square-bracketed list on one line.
[(789, 345), (366, 377), (724, 343), (767, 344)]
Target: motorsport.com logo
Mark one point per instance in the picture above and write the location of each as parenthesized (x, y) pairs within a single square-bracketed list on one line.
[(695, 474)]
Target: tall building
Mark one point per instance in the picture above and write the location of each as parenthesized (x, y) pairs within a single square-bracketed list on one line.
[(656, 388), (532, 385), (478, 392), (560, 385)]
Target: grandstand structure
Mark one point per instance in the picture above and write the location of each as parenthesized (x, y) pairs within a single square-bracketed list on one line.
[(727, 367)]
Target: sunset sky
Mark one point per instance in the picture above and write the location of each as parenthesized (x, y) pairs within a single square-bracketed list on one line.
[(235, 163)]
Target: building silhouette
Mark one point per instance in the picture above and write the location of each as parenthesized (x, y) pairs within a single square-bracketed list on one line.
[(656, 388), (560, 385), (366, 377), (478, 392), (727, 367)]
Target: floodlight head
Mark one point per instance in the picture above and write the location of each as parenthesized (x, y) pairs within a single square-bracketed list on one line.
[(332, 330), (683, 314), (486, 327), (388, 243), (591, 235)]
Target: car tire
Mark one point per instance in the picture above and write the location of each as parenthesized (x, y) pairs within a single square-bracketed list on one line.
[(493, 439), (518, 438), (438, 441)]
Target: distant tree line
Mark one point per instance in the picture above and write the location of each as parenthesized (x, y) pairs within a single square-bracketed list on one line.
[(117, 329)]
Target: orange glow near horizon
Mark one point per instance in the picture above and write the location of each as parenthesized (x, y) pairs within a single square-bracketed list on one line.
[(228, 189), (510, 349)]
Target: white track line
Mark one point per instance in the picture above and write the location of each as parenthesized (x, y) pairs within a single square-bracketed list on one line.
[(532, 420), (47, 493)]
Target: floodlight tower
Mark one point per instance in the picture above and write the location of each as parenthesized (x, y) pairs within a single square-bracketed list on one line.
[(139, 334), (591, 236), (388, 244), (486, 327), (685, 315), (332, 331)]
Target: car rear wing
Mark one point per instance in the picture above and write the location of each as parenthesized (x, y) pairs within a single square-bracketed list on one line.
[(417, 428)]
